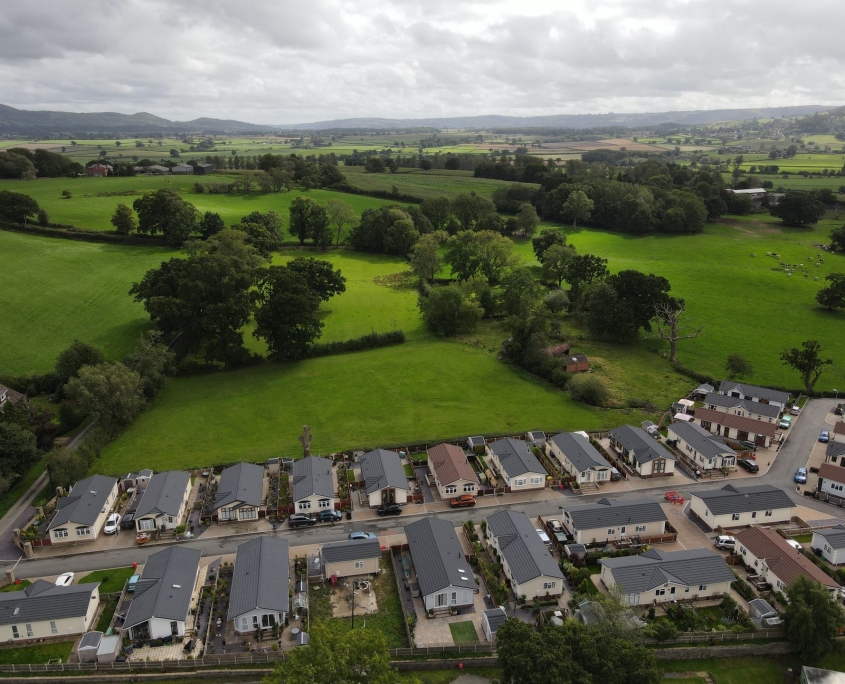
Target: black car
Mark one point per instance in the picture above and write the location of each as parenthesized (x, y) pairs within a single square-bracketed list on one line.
[(748, 444), (748, 464), (330, 516), (301, 520), (128, 520), (389, 509)]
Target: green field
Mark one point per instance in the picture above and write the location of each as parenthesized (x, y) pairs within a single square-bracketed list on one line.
[(749, 669)]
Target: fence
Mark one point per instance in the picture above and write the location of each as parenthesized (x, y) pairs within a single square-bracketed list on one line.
[(140, 665), (430, 650), (719, 637)]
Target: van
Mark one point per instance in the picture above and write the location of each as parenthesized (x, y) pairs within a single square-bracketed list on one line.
[(785, 422)]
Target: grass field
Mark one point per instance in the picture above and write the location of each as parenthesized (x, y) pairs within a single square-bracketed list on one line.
[(749, 669), (111, 580)]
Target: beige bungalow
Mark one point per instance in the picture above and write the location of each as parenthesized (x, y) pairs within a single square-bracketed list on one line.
[(517, 465), (81, 514), (46, 611), (313, 485), (646, 456), (351, 558), (453, 475), (385, 481), (736, 506), (164, 502)]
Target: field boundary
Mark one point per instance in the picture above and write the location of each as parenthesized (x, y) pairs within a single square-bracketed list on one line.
[(84, 235)]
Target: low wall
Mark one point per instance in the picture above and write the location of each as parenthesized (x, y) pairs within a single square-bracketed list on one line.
[(750, 649)]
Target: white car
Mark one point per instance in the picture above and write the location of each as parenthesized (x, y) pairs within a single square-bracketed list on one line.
[(112, 524), (544, 538), (795, 545), (65, 579), (725, 542)]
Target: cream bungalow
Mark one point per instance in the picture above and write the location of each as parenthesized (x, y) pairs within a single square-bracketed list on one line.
[(44, 611), (736, 506), (831, 544), (240, 490), (260, 585), (614, 520), (646, 456), (831, 480), (164, 502), (579, 458), (81, 514), (739, 406), (313, 485), (350, 558), (517, 465), (385, 481), (453, 475), (706, 450)]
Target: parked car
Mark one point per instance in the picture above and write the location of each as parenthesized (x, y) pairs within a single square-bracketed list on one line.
[(795, 410), (330, 516), (301, 520), (544, 538), (795, 545), (463, 501), (801, 475), (614, 475), (748, 444), (673, 497), (130, 584), (824, 436), (725, 542), (748, 464), (361, 535), (65, 579), (785, 422), (128, 521), (112, 525), (389, 509)]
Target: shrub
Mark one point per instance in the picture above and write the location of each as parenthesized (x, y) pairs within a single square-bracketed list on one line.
[(371, 341), (199, 188), (66, 194), (43, 218), (588, 389), (556, 301)]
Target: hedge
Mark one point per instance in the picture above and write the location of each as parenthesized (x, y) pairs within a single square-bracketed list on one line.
[(372, 341)]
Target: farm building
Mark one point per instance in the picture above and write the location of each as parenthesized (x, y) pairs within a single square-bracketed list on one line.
[(736, 427), (453, 474), (831, 544), (82, 513), (240, 491), (739, 406), (164, 501), (203, 169), (260, 585), (43, 610), (517, 465), (755, 194), (735, 506), (98, 170), (182, 169), (313, 485), (7, 394), (351, 557), (831, 480), (579, 458), (384, 477), (708, 451), (754, 393), (576, 363), (835, 453), (610, 520), (646, 456), (558, 350)]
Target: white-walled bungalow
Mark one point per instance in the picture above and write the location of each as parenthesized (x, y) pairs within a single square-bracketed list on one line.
[(737, 506), (579, 458), (831, 544), (443, 572), (614, 520), (260, 585), (240, 490), (350, 558), (45, 611), (518, 466), (646, 456), (525, 559), (707, 450), (385, 481), (164, 502), (764, 395), (739, 406), (313, 485), (81, 514), (453, 475), (831, 480), (735, 427), (659, 576), (163, 595)]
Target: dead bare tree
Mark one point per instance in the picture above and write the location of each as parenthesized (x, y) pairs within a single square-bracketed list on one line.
[(669, 325)]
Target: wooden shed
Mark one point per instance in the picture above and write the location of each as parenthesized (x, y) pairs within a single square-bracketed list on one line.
[(576, 363)]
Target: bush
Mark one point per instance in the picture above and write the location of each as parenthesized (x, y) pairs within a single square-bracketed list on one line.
[(199, 188), (556, 301), (371, 341), (43, 218), (741, 587), (588, 389), (66, 194)]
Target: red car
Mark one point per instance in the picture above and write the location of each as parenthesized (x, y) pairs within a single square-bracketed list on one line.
[(674, 497), (463, 501)]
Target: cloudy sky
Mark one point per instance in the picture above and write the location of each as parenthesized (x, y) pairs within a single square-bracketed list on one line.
[(283, 61)]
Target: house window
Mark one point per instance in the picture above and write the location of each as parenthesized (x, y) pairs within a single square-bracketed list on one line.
[(15, 633), (247, 514), (60, 534), (753, 514), (54, 629), (702, 587), (441, 600), (622, 529), (536, 480), (660, 592), (735, 516), (226, 514), (170, 518), (83, 531), (244, 624), (520, 482), (611, 530), (451, 489), (639, 528), (268, 619), (325, 503), (255, 622), (454, 598), (359, 565), (659, 465), (549, 585), (469, 488), (146, 524), (29, 632), (304, 505)]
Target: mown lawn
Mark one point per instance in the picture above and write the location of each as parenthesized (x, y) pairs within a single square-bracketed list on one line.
[(20, 586), (38, 653), (463, 632), (111, 580)]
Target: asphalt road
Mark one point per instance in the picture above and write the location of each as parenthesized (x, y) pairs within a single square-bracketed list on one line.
[(793, 454)]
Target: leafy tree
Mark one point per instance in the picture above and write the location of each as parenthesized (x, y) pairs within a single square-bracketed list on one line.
[(321, 279), (210, 224), (67, 467), (547, 238), (259, 235), (583, 269), (388, 229), (15, 165), (308, 219), (164, 211), (109, 390), (37, 419), (421, 222), (43, 218), (521, 293), (341, 215), (641, 293), (123, 220), (330, 175), (837, 239), (807, 361), (437, 211), (15, 206), (798, 208), (555, 263), (425, 255), (608, 315), (832, 296), (469, 210), (811, 618), (737, 367), (18, 450), (374, 165), (448, 311), (527, 219), (578, 207), (77, 355), (153, 361), (556, 301), (484, 252)]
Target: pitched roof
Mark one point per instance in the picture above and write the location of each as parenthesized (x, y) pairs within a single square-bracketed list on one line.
[(731, 420), (828, 471), (610, 513), (575, 359), (654, 568), (382, 469), (637, 441), (90, 640), (709, 445), (164, 494), (753, 391), (815, 675), (835, 449), (243, 482), (726, 401), (579, 451), (515, 457), (736, 499), (438, 559), (165, 587), (45, 601), (835, 536), (84, 503), (496, 617), (262, 576), (353, 549), (704, 388), (312, 476), (786, 562), (450, 464), (521, 546)]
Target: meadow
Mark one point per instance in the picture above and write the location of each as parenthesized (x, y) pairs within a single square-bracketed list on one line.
[(423, 184)]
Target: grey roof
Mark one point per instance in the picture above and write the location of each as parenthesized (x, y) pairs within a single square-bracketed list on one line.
[(45, 601), (515, 457), (704, 388), (84, 503), (655, 568), (579, 451), (353, 549), (736, 499), (753, 391), (835, 449), (761, 607), (835, 536), (725, 401), (496, 617), (815, 675), (312, 476), (262, 576), (243, 482), (609, 513), (165, 587), (704, 442), (146, 472), (637, 441), (382, 469), (164, 493), (90, 640), (438, 558), (521, 546)]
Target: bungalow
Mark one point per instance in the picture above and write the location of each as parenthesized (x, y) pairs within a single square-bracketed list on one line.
[(43, 611), (835, 453), (82, 513), (164, 502), (7, 394), (736, 427), (830, 544), (451, 470), (708, 451), (525, 559), (313, 485), (576, 363), (612, 520), (260, 585), (736, 506), (443, 572), (831, 480), (351, 558), (384, 476), (646, 456), (660, 576), (779, 563), (517, 465), (579, 458), (739, 406), (163, 595), (240, 491), (754, 393)]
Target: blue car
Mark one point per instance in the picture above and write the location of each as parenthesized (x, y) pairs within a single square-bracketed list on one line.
[(801, 476), (824, 436)]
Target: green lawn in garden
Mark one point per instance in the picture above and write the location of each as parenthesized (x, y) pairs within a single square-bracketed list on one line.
[(38, 653), (111, 580), (20, 586), (463, 632), (104, 621)]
